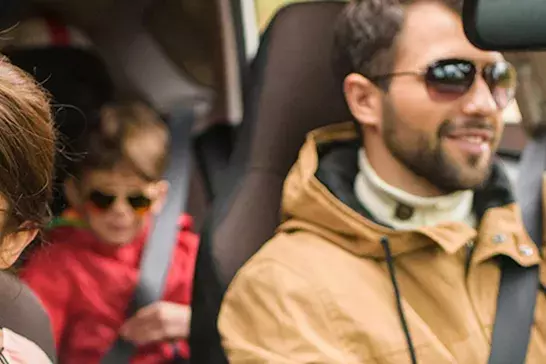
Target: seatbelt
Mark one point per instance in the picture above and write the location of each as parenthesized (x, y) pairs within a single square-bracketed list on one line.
[(519, 285), (156, 258)]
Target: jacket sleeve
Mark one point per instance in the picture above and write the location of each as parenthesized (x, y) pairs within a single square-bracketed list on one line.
[(270, 314), (44, 273)]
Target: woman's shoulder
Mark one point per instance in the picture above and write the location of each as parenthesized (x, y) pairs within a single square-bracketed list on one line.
[(22, 312), (18, 349)]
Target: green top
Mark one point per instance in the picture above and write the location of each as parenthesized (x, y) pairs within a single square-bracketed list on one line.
[(68, 218)]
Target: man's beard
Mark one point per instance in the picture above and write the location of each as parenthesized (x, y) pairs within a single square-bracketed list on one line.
[(427, 158)]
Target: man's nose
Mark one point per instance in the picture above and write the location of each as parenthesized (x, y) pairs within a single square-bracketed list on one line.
[(479, 100)]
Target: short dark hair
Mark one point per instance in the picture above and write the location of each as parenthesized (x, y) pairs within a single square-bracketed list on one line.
[(27, 149), (116, 138), (366, 33)]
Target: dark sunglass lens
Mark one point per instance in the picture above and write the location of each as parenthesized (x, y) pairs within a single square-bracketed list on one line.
[(101, 200), (501, 78), (450, 78), (139, 202)]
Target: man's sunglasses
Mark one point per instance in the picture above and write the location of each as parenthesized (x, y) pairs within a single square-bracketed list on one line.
[(102, 201), (449, 79)]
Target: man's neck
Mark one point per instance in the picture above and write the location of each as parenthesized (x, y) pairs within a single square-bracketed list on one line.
[(403, 209)]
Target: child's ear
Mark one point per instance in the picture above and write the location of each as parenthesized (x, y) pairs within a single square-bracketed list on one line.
[(162, 191), (71, 192), (13, 245)]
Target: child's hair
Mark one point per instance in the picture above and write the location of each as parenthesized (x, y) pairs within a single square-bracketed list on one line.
[(27, 150), (129, 134)]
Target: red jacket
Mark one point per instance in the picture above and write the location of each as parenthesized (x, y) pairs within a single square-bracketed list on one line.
[(86, 286)]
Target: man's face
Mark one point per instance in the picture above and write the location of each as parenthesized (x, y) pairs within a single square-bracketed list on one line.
[(449, 143)]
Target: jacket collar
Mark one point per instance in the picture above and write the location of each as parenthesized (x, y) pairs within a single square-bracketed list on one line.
[(319, 196)]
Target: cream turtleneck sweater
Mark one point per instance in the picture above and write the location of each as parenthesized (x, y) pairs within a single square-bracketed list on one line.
[(385, 202)]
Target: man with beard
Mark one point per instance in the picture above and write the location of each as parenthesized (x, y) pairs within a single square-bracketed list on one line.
[(388, 251)]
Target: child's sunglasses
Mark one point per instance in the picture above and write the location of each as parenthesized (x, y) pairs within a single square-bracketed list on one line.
[(102, 201), (449, 79)]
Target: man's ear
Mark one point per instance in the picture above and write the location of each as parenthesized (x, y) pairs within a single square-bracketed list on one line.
[(161, 193), (364, 99), (71, 192), (13, 245)]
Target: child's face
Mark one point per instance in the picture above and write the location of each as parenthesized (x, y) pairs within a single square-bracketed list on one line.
[(117, 203)]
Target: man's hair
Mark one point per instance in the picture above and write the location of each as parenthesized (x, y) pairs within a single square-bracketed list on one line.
[(366, 34), (27, 150), (129, 133)]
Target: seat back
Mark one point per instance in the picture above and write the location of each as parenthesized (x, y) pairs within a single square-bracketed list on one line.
[(22, 312), (212, 149), (292, 90)]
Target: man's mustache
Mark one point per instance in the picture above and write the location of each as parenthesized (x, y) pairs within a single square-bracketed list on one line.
[(450, 127)]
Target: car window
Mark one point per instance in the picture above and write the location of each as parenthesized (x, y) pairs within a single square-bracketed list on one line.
[(266, 9), (512, 114)]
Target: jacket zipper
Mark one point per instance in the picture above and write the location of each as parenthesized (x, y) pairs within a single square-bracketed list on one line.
[(469, 250)]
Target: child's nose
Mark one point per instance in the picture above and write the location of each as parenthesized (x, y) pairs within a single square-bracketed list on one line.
[(122, 206)]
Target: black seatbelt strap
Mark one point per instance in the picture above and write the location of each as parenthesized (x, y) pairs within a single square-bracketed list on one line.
[(156, 258), (519, 285)]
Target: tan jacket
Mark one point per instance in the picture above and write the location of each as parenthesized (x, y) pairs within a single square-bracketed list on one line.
[(320, 290)]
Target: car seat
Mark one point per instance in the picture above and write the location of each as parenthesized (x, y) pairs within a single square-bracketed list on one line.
[(292, 90)]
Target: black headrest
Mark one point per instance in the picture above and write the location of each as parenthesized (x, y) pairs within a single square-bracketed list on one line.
[(293, 90), (79, 84), (73, 76), (10, 11), (77, 80)]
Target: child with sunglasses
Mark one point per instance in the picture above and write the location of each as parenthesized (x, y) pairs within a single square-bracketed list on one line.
[(92, 261)]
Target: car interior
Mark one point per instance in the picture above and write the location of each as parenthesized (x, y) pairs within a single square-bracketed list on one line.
[(253, 112), (197, 68)]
